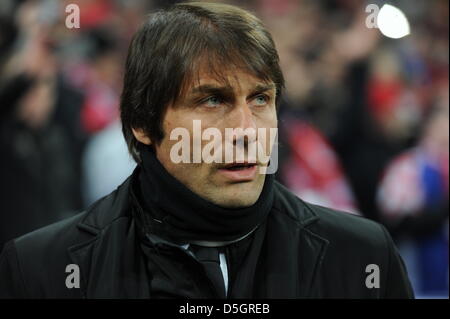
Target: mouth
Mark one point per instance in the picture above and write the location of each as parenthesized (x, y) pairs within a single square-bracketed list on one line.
[(238, 166), (239, 172)]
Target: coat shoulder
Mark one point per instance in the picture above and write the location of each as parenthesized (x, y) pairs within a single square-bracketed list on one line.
[(330, 223), (344, 225), (33, 263), (39, 259), (79, 228), (350, 244)]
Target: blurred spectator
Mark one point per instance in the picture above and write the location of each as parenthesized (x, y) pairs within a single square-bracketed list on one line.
[(99, 77), (40, 137), (324, 59), (106, 163), (310, 168), (59, 87), (413, 197)]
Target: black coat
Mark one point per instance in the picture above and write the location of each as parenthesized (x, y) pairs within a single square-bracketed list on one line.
[(308, 251)]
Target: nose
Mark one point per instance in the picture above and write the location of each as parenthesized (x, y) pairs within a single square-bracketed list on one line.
[(246, 117), (243, 119)]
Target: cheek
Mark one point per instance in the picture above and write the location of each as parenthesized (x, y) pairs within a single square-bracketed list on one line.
[(268, 117), (270, 125), (163, 153), (274, 117)]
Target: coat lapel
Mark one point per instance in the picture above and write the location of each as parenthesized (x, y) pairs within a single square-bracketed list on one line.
[(312, 250), (111, 265), (294, 251), (293, 258)]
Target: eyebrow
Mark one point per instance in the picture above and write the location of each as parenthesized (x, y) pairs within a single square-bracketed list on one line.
[(213, 89)]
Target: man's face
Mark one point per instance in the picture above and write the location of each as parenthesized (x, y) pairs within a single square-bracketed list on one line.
[(244, 101)]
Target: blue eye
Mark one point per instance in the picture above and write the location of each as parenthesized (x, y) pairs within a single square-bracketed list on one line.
[(212, 101), (261, 100)]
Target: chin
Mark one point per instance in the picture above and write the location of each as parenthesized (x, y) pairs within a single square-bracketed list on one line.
[(235, 203), (240, 199)]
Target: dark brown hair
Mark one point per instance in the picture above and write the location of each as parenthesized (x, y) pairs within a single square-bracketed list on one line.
[(165, 53)]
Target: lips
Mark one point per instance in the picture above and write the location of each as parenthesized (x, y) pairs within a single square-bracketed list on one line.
[(239, 172), (239, 166)]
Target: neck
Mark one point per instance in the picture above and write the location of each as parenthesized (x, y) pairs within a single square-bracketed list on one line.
[(174, 212)]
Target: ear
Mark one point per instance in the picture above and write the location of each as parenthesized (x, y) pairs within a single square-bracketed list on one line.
[(141, 136)]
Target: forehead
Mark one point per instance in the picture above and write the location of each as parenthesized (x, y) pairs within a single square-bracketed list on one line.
[(229, 76)]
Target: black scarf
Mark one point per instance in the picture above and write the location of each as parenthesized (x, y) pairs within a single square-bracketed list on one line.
[(175, 213)]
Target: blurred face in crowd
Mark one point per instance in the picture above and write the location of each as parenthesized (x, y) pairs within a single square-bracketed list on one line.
[(236, 100)]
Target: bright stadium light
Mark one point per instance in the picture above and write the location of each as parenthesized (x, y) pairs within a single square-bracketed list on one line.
[(392, 22)]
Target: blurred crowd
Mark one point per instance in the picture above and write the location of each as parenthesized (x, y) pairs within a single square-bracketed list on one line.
[(363, 123)]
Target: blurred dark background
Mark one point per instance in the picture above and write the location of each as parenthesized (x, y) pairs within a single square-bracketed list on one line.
[(364, 121)]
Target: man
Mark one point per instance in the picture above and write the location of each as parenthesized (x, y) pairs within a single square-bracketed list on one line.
[(196, 228)]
